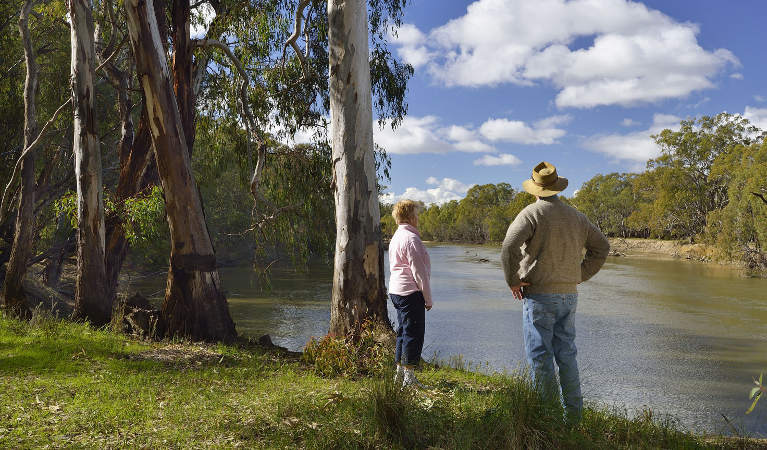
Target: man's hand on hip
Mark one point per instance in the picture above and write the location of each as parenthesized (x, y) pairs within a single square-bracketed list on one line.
[(516, 290)]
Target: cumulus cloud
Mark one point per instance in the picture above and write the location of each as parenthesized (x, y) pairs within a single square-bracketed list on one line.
[(635, 147), (737, 76), (411, 45), (635, 55), (428, 134), (504, 159), (759, 98), (629, 122), (444, 190), (542, 132), (757, 117)]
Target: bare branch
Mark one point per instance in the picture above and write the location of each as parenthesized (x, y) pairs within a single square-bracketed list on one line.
[(250, 121), (292, 40), (8, 188), (109, 59)]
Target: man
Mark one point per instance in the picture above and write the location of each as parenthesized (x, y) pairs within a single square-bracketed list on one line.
[(543, 261)]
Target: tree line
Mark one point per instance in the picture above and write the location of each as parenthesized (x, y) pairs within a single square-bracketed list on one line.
[(708, 185), (167, 148)]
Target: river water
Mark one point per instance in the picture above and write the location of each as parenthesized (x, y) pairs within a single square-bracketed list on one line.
[(679, 337)]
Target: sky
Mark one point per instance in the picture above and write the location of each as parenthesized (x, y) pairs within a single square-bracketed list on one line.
[(501, 85)]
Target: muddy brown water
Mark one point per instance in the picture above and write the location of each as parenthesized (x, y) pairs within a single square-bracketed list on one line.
[(679, 337)]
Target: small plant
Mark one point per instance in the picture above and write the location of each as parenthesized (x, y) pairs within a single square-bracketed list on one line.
[(366, 352), (756, 393)]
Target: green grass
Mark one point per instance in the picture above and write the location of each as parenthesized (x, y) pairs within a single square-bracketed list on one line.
[(67, 385)]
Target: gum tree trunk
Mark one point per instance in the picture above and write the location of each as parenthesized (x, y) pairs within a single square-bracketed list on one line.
[(134, 151), (358, 279), (194, 304), (182, 68), (15, 300), (135, 160), (91, 299)]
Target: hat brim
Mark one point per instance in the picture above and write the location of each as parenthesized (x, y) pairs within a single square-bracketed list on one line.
[(553, 189)]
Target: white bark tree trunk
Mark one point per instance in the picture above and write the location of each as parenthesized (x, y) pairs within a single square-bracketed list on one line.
[(194, 304), (358, 279), (91, 299), (13, 292)]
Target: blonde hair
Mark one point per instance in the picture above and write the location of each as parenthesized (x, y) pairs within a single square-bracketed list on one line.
[(405, 211)]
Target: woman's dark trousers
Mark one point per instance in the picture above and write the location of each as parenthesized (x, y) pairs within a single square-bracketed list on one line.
[(411, 318)]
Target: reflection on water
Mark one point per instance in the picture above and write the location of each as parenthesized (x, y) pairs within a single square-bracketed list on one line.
[(679, 337)]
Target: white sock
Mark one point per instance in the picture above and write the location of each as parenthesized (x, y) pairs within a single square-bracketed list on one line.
[(399, 374)]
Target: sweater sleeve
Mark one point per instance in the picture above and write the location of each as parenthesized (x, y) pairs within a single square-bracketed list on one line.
[(519, 232), (597, 248), (417, 257)]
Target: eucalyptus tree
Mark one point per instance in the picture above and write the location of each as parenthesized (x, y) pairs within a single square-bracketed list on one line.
[(91, 300), (358, 278), (684, 186), (13, 290), (194, 304)]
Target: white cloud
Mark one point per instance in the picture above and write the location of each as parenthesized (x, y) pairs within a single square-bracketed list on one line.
[(737, 76), (635, 147), (542, 132), (637, 55), (759, 98), (414, 135), (445, 190), (411, 45), (627, 122), (504, 159), (203, 17), (427, 135), (757, 117)]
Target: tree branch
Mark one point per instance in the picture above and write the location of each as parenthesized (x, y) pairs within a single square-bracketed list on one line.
[(250, 121), (8, 188), (292, 40)]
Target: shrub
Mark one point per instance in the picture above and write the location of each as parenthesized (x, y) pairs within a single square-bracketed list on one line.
[(368, 351)]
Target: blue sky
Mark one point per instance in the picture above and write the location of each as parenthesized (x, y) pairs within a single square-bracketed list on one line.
[(503, 84)]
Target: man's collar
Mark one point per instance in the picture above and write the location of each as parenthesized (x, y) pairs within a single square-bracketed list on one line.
[(553, 198)]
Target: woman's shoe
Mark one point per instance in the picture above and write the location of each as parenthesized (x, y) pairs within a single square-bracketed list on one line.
[(409, 380)]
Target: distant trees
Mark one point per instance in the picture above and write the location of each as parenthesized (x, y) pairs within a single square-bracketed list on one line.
[(679, 189), (609, 200), (482, 216), (701, 189)]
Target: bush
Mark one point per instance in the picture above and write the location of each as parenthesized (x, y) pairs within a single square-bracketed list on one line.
[(370, 351)]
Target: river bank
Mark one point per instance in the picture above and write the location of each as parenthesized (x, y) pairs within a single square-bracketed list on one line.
[(66, 384)]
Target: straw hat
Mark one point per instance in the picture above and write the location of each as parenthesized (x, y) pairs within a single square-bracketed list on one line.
[(545, 181)]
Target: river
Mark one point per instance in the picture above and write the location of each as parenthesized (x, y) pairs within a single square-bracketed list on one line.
[(679, 337)]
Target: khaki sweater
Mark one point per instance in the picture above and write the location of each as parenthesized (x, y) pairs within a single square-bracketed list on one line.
[(544, 247)]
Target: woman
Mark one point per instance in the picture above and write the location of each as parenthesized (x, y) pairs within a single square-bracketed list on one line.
[(409, 290)]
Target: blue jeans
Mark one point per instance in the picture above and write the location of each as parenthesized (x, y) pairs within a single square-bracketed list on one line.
[(548, 323), (411, 320)]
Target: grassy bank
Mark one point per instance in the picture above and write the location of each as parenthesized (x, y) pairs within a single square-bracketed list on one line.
[(67, 385)]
